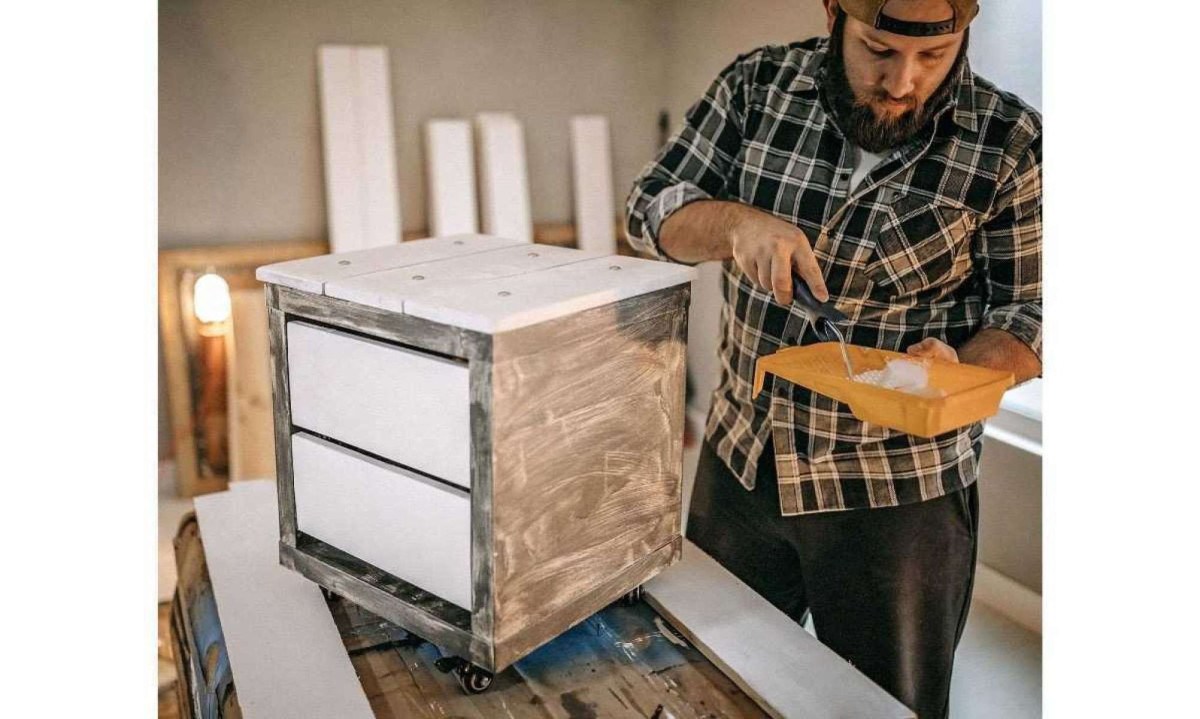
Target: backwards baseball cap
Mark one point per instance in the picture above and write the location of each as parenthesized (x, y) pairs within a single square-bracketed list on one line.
[(871, 12)]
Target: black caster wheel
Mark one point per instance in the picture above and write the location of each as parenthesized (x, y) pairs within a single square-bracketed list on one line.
[(471, 678), (632, 597)]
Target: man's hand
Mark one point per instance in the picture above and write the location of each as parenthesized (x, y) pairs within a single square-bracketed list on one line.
[(934, 348), (766, 248), (991, 348), (769, 249)]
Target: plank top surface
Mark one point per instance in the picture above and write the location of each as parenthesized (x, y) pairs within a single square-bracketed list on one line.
[(284, 648), (310, 274), (477, 282), (773, 659)]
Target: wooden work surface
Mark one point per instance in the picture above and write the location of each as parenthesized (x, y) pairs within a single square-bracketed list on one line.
[(621, 662), (624, 661)]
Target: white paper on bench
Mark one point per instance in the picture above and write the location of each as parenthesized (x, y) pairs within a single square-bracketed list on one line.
[(595, 214), (405, 524), (770, 657), (287, 657), (410, 407), (310, 274), (508, 303), (503, 177), (450, 177), (390, 289), (359, 147)]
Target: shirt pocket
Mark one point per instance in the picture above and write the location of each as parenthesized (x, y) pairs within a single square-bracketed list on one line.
[(921, 246)]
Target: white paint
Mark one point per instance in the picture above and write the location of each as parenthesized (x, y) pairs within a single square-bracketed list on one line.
[(405, 524), (766, 654), (287, 657), (311, 273), (1008, 597), (391, 289), (509, 303), (450, 177), (505, 287), (359, 147), (410, 407), (503, 177), (591, 155)]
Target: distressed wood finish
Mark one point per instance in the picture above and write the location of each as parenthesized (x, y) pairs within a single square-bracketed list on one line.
[(281, 404), (576, 428), (402, 329), (390, 597), (587, 458)]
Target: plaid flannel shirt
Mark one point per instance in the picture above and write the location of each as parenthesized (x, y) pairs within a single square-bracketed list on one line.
[(942, 239)]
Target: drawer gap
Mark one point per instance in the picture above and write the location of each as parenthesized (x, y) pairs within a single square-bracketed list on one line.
[(380, 458)]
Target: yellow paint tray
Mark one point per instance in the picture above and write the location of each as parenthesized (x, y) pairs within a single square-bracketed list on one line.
[(969, 393)]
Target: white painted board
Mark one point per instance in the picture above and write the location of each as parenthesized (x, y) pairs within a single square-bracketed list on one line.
[(359, 147), (405, 524), (778, 664), (503, 177), (407, 406), (450, 177), (390, 289), (287, 657), (310, 274), (508, 303), (595, 211)]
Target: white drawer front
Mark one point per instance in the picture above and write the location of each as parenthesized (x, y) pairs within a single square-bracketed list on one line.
[(405, 524), (409, 407)]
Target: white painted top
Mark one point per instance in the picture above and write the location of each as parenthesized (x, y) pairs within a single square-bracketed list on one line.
[(478, 282)]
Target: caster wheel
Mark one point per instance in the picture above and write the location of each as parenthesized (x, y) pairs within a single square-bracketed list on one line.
[(472, 679), (632, 597)]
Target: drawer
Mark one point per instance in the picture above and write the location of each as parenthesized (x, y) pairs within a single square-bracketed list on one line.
[(405, 524), (406, 406)]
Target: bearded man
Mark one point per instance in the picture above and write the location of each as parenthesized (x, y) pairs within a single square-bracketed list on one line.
[(877, 167)]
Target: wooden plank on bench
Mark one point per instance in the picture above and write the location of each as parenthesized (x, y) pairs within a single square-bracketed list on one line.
[(284, 648), (770, 657)]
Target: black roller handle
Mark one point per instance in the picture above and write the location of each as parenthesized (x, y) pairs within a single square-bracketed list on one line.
[(822, 315)]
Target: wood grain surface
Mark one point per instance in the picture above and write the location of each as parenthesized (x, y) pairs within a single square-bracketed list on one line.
[(587, 462)]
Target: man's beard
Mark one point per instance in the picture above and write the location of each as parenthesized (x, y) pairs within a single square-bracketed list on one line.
[(856, 118)]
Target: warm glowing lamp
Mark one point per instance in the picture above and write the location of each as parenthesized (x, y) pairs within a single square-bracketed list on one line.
[(210, 298)]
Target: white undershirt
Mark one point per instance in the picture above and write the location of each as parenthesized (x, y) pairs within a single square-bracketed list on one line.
[(866, 161)]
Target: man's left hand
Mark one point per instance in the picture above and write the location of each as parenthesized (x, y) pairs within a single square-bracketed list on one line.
[(935, 349)]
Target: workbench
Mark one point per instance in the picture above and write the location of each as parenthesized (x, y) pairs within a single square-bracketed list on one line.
[(699, 644), (623, 661)]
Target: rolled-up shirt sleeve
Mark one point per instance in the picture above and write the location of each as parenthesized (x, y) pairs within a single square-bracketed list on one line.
[(694, 164), (1010, 253)]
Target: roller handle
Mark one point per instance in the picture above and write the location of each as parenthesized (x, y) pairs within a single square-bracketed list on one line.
[(822, 315)]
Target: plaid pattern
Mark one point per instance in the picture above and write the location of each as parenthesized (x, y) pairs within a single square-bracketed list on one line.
[(941, 239)]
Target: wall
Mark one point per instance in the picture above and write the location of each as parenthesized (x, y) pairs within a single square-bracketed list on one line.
[(240, 155)]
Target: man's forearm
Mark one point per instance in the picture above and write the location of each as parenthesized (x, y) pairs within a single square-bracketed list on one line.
[(1000, 350), (700, 231)]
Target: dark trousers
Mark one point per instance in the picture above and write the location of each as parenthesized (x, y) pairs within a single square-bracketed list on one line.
[(888, 588)]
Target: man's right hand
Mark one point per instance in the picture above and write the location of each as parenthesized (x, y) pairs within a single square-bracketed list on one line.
[(769, 250)]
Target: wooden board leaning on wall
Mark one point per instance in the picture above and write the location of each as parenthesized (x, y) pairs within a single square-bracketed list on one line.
[(177, 270)]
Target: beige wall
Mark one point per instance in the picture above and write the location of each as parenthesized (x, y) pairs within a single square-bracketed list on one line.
[(240, 155)]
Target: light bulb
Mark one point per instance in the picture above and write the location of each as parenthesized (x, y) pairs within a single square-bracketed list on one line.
[(210, 298)]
